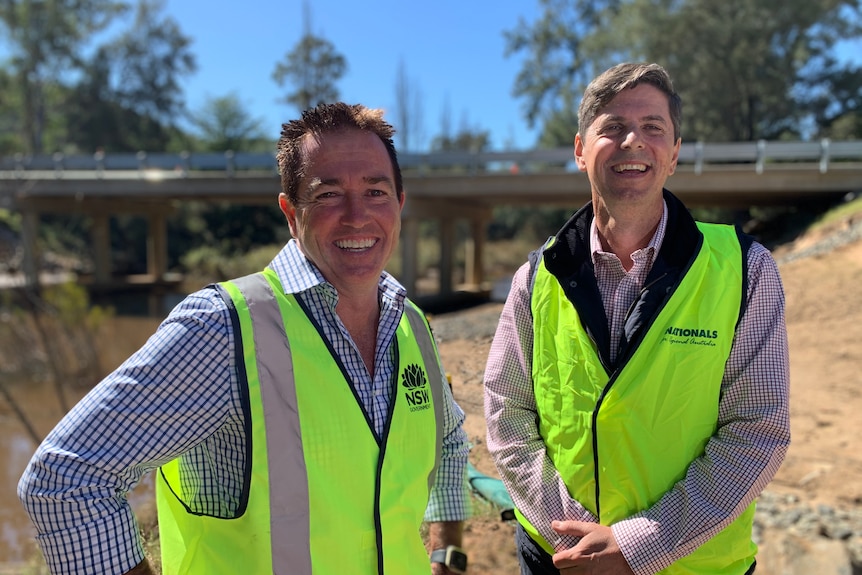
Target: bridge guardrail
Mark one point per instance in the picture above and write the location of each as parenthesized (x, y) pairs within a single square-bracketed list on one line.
[(699, 154)]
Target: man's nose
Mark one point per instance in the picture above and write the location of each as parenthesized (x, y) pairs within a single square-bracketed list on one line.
[(633, 139), (355, 210)]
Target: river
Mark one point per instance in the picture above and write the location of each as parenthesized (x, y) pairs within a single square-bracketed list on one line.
[(39, 403)]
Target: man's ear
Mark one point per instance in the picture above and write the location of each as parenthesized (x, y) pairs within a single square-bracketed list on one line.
[(675, 158), (289, 211), (579, 153)]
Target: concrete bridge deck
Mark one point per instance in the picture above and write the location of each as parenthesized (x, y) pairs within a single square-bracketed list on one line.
[(447, 187)]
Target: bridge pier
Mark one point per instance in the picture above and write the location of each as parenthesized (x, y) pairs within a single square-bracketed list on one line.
[(30, 263), (100, 212), (474, 274), (417, 209), (157, 245), (100, 235)]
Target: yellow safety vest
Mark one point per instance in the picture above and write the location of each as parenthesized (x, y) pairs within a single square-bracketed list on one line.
[(621, 442), (323, 494)]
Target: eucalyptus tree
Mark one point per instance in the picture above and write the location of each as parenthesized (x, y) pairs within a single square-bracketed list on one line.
[(744, 68), (835, 101), (150, 58), (45, 39), (408, 111), (312, 69), (223, 123)]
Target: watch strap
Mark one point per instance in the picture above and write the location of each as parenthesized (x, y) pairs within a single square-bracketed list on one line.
[(438, 556)]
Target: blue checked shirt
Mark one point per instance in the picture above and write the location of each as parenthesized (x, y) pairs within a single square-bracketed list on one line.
[(180, 391)]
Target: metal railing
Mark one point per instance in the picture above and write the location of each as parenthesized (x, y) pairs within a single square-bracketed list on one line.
[(701, 155)]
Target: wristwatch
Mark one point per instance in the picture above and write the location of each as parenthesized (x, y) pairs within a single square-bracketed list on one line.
[(452, 557)]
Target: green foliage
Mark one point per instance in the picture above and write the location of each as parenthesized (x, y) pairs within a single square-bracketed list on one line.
[(45, 39), (312, 67), (70, 303), (470, 140), (10, 220), (207, 264), (835, 101), (51, 337), (151, 56), (229, 229), (745, 70), (224, 124), (560, 124), (125, 97), (852, 208), (65, 235)]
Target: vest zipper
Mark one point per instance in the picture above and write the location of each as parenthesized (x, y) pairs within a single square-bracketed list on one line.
[(613, 376)]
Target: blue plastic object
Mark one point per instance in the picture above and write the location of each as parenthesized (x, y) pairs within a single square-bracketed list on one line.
[(491, 490)]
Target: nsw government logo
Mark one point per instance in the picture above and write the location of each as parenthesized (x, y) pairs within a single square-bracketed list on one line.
[(690, 336), (416, 385)]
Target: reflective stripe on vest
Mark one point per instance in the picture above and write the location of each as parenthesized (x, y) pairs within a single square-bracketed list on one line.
[(310, 436), (621, 442)]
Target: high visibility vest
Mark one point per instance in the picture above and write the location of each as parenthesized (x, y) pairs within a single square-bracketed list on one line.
[(621, 441), (322, 494)]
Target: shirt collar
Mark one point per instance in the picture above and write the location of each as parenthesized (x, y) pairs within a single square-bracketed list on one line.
[(651, 248), (298, 274)]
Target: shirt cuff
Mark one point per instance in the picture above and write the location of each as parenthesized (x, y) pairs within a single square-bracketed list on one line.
[(449, 504), (110, 545), (640, 545)]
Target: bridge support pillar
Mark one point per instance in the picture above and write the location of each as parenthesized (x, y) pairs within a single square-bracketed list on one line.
[(474, 273), (447, 254), (410, 254), (157, 246), (29, 227), (100, 234)]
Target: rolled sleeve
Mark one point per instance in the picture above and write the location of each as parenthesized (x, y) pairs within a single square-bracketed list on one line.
[(108, 545), (175, 392)]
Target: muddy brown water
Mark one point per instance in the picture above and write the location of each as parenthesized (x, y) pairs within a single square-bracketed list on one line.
[(39, 403)]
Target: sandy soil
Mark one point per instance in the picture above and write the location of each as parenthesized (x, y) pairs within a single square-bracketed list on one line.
[(824, 464)]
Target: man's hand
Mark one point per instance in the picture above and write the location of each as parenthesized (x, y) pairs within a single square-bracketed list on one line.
[(142, 568), (597, 553)]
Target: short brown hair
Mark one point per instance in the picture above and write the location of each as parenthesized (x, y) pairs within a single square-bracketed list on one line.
[(611, 82), (327, 119)]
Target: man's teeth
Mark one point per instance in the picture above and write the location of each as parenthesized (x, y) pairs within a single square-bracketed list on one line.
[(355, 244), (624, 167)]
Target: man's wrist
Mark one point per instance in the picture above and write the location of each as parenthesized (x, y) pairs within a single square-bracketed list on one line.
[(452, 556)]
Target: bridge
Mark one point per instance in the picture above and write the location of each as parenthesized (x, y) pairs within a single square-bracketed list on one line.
[(446, 186)]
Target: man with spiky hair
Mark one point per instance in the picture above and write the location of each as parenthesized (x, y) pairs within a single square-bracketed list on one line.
[(299, 418)]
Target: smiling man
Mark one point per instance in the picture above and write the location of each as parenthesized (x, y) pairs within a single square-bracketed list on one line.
[(636, 392), (299, 418)]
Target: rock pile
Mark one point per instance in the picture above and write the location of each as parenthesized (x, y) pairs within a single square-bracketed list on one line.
[(796, 538)]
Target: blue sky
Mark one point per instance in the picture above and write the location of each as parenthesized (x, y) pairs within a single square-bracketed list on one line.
[(452, 49)]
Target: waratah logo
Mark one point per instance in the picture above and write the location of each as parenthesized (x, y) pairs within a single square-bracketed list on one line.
[(416, 384)]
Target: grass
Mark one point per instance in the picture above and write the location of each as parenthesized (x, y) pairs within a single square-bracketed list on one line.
[(841, 212)]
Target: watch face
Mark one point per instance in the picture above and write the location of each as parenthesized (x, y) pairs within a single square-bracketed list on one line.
[(457, 561)]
